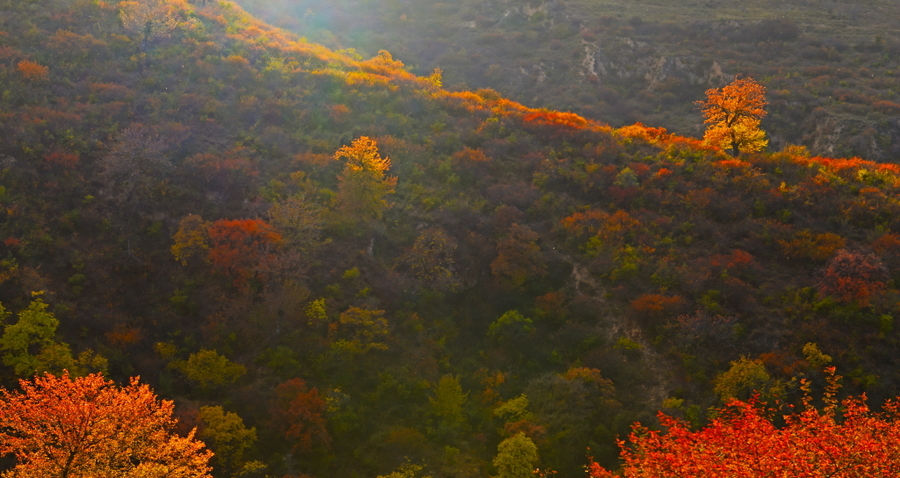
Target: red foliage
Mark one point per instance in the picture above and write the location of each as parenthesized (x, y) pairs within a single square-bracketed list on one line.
[(853, 277), (654, 307), (737, 258), (298, 412), (63, 159), (238, 245), (232, 165), (843, 440)]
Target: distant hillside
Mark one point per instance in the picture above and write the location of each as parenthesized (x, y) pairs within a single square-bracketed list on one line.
[(370, 270), (830, 66)]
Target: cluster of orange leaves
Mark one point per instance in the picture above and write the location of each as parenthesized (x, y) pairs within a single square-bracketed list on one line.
[(844, 439), (656, 304), (57, 426), (32, 71)]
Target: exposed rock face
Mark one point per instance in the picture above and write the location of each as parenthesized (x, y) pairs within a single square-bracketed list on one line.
[(835, 136), (629, 60)]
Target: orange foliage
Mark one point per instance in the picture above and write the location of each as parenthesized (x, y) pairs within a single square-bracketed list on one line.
[(732, 164), (123, 335), (552, 304), (733, 114), (782, 362), (805, 245), (646, 133), (663, 172), (656, 305), (555, 118), (474, 155), (848, 167), (339, 112), (606, 226), (56, 426), (313, 159), (887, 244), (32, 71)]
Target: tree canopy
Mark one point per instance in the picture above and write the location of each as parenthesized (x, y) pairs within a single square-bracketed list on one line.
[(733, 114), (60, 427)]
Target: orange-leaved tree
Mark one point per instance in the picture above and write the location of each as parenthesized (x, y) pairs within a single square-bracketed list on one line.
[(89, 427), (844, 439), (733, 114)]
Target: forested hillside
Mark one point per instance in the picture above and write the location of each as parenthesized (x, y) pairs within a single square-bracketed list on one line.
[(830, 66), (336, 267)]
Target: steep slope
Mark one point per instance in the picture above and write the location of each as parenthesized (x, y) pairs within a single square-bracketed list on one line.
[(829, 66), (174, 192)]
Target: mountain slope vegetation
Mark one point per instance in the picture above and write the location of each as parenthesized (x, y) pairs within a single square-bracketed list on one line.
[(830, 67), (337, 267)]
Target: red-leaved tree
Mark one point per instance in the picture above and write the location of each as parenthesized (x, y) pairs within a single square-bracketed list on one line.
[(239, 245), (844, 439), (298, 410)]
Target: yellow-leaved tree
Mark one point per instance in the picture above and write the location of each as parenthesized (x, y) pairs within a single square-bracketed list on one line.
[(363, 183), (733, 114)]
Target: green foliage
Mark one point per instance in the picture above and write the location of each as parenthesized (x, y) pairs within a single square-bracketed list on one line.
[(744, 378), (448, 402), (29, 345), (407, 470), (511, 324), (208, 369), (227, 436), (516, 457), (514, 409)]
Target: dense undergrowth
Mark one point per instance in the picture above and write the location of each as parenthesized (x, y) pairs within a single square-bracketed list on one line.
[(533, 271)]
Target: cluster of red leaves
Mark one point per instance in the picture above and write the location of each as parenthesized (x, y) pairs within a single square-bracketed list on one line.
[(853, 277), (62, 158), (238, 245), (298, 412), (656, 304), (842, 440)]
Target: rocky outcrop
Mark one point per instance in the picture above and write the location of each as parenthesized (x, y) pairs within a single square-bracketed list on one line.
[(626, 59)]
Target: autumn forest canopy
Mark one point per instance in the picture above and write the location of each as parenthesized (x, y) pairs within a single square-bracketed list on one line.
[(227, 250)]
